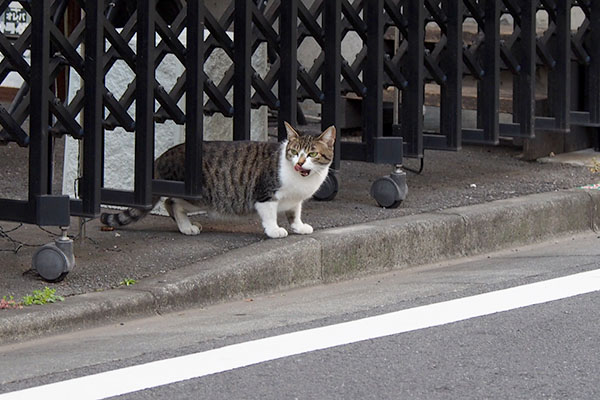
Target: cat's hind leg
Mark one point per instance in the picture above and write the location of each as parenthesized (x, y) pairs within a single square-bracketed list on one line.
[(178, 209), (268, 216), (296, 223), (169, 207)]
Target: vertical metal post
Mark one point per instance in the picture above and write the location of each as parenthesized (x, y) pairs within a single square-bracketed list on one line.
[(412, 96), (50, 150), (594, 67), (194, 127), (242, 59), (40, 82), (524, 83), (93, 109), (373, 75), (451, 92), (144, 103), (331, 79), (288, 70), (488, 96), (559, 88)]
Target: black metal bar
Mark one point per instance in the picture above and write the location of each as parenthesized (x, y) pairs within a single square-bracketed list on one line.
[(451, 90), (50, 172), (373, 74), (412, 95), (593, 78), (144, 110), (434, 141), (356, 151), (194, 127), (93, 108), (559, 85), (475, 136), (513, 129), (16, 210), (40, 82), (17, 62), (76, 208), (524, 82), (121, 198), (44, 209), (488, 94), (169, 188), (546, 123), (582, 118), (15, 132), (242, 61), (332, 71), (288, 70)]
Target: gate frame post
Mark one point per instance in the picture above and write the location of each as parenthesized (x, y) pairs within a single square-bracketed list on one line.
[(373, 76), (144, 103), (332, 72)]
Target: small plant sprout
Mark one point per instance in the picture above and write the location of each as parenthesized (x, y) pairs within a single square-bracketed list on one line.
[(9, 303), (128, 282), (41, 297)]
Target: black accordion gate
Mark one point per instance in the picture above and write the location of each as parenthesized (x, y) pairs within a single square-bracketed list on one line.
[(100, 33)]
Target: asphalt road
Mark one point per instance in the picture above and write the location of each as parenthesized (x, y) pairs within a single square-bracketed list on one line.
[(547, 350)]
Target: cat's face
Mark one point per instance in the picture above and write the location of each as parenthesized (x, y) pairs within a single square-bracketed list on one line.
[(310, 154)]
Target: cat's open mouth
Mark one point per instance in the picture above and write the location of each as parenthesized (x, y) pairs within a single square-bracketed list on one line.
[(303, 172)]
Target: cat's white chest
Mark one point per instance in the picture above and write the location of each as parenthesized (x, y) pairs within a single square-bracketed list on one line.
[(296, 188)]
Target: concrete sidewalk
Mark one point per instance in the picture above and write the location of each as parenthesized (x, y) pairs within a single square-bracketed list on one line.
[(466, 203)]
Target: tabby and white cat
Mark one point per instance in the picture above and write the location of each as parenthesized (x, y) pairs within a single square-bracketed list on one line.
[(243, 177)]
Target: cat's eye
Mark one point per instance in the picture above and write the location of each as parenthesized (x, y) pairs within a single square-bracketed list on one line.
[(313, 154), (293, 152)]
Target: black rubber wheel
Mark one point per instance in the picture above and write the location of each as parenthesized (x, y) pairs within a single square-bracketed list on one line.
[(328, 189), (60, 278), (395, 204), (50, 263), (386, 193)]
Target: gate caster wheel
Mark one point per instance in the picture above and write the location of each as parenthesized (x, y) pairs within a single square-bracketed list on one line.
[(53, 261), (328, 189), (389, 191)]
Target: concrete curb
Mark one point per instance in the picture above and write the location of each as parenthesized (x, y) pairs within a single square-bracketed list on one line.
[(326, 256)]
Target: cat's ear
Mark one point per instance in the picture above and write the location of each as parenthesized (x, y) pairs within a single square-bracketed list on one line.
[(291, 133), (328, 136)]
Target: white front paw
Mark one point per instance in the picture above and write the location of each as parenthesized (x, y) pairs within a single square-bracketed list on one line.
[(190, 230), (276, 232), (302, 228)]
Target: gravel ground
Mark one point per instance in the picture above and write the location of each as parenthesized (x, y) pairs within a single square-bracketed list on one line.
[(154, 246)]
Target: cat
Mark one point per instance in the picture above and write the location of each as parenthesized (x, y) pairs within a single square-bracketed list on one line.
[(240, 178)]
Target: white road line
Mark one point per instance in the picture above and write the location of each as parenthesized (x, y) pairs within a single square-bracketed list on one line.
[(158, 373)]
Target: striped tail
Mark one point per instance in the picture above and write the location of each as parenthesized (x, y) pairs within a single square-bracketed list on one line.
[(123, 218)]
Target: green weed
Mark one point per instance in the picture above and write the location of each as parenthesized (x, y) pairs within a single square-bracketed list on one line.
[(40, 297), (128, 282)]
